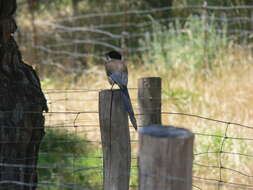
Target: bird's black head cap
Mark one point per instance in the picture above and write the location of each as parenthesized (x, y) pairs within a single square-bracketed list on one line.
[(114, 55)]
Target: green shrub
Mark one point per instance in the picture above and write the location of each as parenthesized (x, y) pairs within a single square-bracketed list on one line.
[(66, 160)]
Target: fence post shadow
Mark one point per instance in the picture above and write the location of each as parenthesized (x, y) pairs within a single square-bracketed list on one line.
[(115, 138)]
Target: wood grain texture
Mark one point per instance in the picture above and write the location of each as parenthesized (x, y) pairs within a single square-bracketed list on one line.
[(165, 158), (149, 99), (115, 140)]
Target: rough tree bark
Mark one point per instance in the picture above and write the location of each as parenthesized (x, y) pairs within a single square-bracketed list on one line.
[(21, 105)]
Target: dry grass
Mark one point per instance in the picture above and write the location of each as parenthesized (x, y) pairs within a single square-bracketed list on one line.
[(226, 93)]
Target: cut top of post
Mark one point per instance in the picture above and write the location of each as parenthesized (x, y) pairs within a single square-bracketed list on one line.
[(166, 131), (150, 82)]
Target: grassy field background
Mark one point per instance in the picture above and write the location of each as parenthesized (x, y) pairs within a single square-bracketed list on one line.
[(224, 93), (205, 71)]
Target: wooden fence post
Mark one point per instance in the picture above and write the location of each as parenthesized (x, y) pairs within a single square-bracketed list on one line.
[(149, 98), (165, 158), (115, 138)]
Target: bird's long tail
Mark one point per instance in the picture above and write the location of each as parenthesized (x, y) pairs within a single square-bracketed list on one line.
[(121, 80), (128, 106)]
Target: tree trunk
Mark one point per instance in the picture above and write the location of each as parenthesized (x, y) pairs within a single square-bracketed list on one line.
[(21, 105)]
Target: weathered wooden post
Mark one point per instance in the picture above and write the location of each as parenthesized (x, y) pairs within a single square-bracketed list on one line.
[(165, 158), (149, 99), (115, 140)]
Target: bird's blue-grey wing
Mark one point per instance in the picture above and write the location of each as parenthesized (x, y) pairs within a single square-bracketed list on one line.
[(119, 78)]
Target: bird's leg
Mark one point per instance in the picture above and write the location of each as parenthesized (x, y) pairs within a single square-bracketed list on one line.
[(112, 86)]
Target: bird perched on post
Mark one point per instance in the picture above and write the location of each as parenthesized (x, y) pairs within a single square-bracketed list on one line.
[(117, 73)]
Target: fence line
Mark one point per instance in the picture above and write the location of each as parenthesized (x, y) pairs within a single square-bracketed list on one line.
[(234, 19), (218, 182), (63, 36), (138, 12), (73, 123)]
